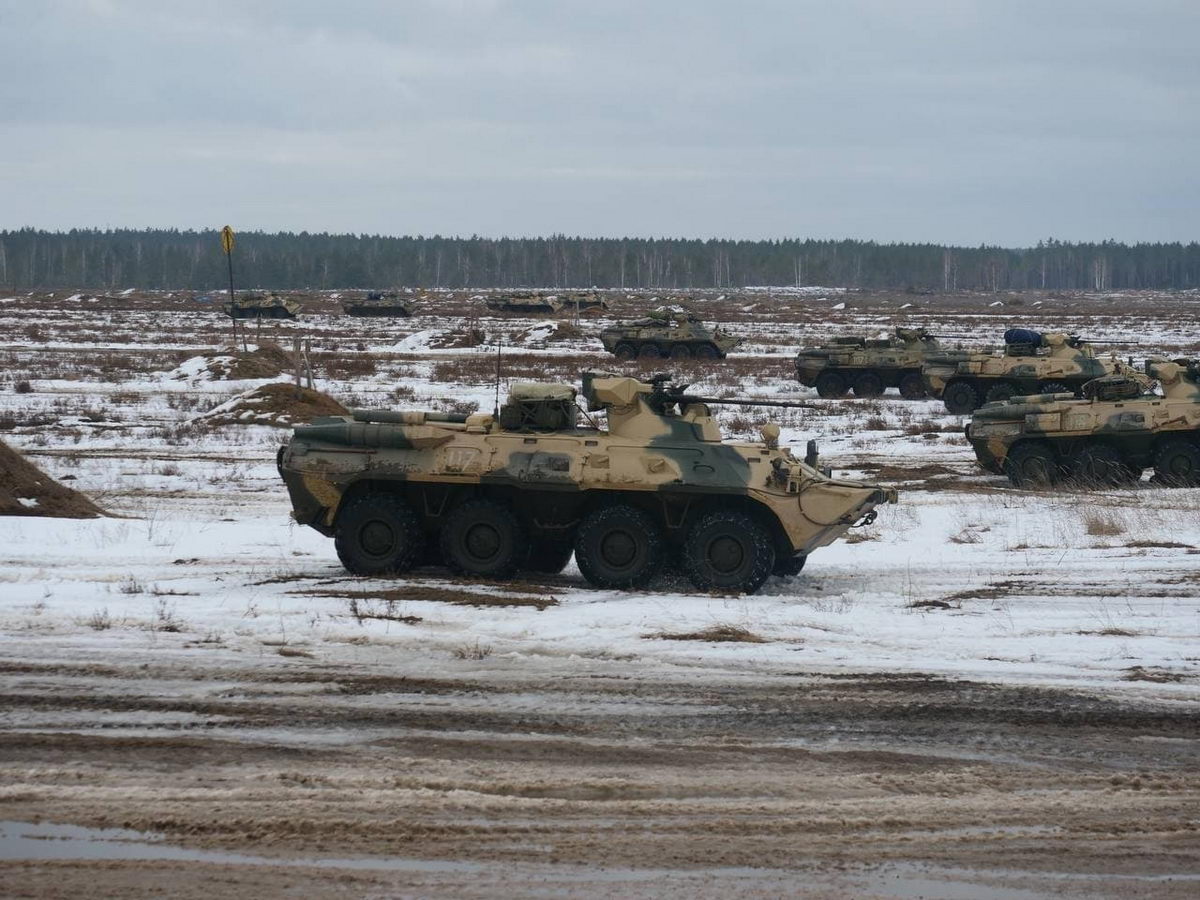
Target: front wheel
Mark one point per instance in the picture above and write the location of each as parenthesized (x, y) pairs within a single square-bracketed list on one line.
[(1031, 464), (620, 547), (1055, 387), (378, 534), (483, 539), (830, 385), (1177, 463), (960, 398), (728, 551), (625, 351), (789, 565), (1000, 393)]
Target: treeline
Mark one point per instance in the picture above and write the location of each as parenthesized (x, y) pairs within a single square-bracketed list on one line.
[(168, 258)]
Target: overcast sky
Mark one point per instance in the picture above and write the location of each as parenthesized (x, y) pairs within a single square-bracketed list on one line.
[(1000, 121)]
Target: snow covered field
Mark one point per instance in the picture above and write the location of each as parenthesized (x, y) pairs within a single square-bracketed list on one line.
[(964, 580)]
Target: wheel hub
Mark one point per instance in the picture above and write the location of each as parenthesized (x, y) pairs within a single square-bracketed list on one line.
[(482, 541), (618, 548), (377, 537), (726, 554)]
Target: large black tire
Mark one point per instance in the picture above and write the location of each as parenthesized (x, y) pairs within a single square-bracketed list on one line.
[(912, 387), (830, 385), (625, 351), (548, 557), (649, 351), (868, 384), (960, 398), (620, 547), (681, 351), (1054, 387), (707, 351), (1032, 465), (1103, 465), (1177, 463), (483, 539), (728, 551), (1001, 392), (378, 534)]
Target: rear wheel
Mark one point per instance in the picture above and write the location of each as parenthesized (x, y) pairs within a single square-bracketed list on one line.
[(484, 539), (1055, 387), (707, 351), (728, 550), (998, 393), (868, 384), (912, 387), (378, 534), (681, 351), (830, 385), (960, 397), (1102, 465), (1031, 464), (625, 351), (648, 351), (620, 547), (1177, 463)]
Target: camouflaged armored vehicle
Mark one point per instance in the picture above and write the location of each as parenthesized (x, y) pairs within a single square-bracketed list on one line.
[(1106, 439), (526, 303), (378, 303), (1033, 363), (261, 306), (491, 495), (869, 367), (677, 335)]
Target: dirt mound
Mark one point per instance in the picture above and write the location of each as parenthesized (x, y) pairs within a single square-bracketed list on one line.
[(25, 490), (267, 360), (281, 405)]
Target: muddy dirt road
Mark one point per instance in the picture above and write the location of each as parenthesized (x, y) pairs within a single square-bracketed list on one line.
[(369, 780)]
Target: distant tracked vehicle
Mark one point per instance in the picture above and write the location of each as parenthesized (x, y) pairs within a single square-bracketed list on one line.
[(1105, 440), (524, 490), (526, 303)]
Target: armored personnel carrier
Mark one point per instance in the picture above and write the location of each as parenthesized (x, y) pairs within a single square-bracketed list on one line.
[(524, 489), (677, 335), (378, 303), (1106, 439), (261, 306), (525, 302), (1033, 363), (869, 367)]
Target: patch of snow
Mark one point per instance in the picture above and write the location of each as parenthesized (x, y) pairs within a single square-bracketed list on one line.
[(28, 502), (838, 306)]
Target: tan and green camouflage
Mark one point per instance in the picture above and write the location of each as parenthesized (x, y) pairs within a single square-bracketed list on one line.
[(668, 333), (264, 306), (525, 302), (490, 495), (868, 366), (1108, 439), (378, 303), (1059, 364)]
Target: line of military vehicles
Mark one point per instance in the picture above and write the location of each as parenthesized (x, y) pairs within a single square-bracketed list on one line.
[(654, 486)]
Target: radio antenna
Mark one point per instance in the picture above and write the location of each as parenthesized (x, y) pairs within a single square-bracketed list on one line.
[(496, 408)]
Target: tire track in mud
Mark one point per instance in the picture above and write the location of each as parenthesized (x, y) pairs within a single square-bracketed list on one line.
[(780, 774)]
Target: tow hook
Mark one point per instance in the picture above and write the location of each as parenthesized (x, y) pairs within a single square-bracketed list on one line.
[(866, 520)]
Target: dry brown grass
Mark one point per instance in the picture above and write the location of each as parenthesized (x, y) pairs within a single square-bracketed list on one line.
[(715, 634)]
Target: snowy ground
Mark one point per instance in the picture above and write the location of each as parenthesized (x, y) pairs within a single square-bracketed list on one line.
[(965, 580)]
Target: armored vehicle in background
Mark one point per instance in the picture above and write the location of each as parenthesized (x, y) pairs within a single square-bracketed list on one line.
[(525, 302), (524, 489), (1033, 363), (1106, 439), (869, 367), (378, 303), (261, 306), (665, 333), (582, 301)]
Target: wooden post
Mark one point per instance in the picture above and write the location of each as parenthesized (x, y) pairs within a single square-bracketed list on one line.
[(296, 358)]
